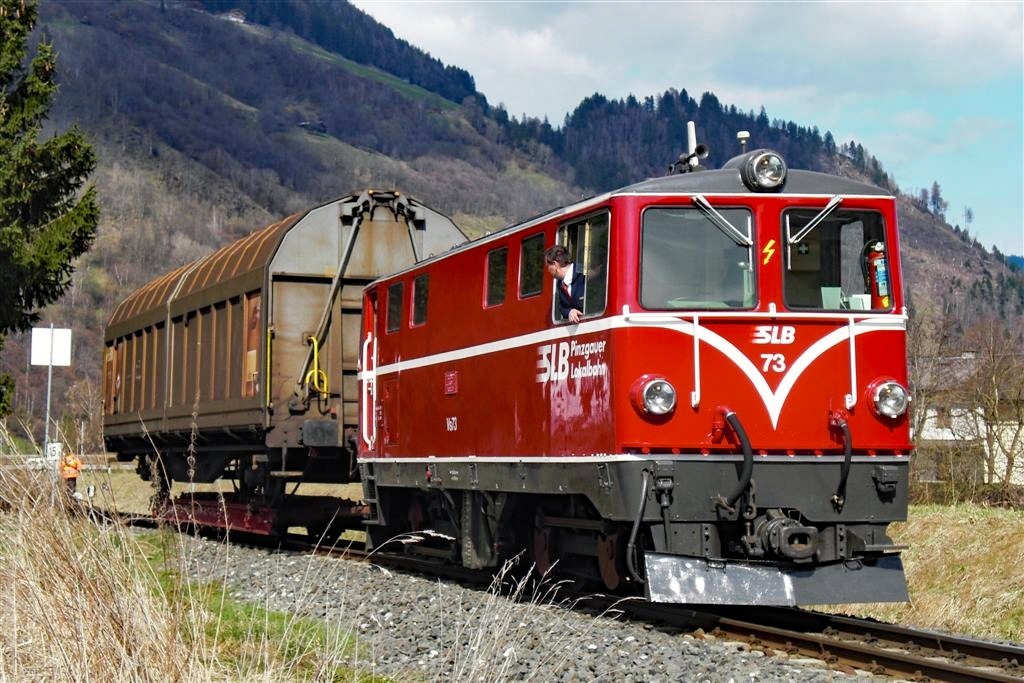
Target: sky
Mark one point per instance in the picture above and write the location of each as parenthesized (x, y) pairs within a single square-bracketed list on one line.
[(934, 90)]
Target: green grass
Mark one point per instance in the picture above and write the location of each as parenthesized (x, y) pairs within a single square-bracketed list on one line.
[(246, 639)]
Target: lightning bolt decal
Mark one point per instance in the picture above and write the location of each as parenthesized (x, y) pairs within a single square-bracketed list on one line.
[(768, 251)]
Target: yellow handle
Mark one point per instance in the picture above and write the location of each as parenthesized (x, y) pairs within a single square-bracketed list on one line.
[(318, 376)]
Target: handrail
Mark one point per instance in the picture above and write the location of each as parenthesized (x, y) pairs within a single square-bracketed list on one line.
[(369, 385), (695, 394), (851, 398), (839, 497)]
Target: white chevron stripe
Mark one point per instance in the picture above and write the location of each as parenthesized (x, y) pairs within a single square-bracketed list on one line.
[(773, 401)]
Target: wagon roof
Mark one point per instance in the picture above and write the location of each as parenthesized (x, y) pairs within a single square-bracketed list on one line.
[(250, 253)]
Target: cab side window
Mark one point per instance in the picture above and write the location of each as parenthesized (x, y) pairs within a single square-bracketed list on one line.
[(497, 269), (420, 287), (531, 265), (587, 241), (394, 314)]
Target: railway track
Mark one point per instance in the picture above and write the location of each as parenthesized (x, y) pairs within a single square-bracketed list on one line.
[(844, 643), (850, 643)]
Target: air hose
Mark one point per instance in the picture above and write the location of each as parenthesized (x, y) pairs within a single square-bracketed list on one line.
[(631, 546), (728, 503)]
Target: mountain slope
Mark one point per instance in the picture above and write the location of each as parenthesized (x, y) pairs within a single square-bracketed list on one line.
[(207, 128)]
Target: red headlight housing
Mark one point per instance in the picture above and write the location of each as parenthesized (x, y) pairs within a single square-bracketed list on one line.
[(653, 395)]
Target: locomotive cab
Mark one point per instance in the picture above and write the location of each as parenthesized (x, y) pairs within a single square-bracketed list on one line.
[(725, 423), (784, 291)]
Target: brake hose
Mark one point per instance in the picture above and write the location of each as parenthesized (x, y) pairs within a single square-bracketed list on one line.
[(631, 546), (729, 502)]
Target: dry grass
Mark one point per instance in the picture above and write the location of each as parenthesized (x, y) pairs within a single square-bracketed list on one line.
[(77, 601), (964, 571), (489, 649), (962, 566), (84, 601)]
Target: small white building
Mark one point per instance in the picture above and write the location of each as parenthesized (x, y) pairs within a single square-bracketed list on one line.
[(967, 426)]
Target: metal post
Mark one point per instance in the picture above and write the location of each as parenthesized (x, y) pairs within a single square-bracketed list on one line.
[(49, 381)]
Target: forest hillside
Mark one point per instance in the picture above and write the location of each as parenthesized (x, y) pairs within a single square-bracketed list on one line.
[(214, 118)]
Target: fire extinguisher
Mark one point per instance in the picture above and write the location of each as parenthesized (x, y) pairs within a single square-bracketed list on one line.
[(876, 274)]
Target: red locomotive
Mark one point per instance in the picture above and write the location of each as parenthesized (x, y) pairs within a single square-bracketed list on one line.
[(726, 422)]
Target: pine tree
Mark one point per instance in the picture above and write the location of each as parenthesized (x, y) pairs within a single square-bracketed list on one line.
[(45, 222), (937, 203)]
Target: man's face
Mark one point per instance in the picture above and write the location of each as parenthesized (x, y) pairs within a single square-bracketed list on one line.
[(554, 270)]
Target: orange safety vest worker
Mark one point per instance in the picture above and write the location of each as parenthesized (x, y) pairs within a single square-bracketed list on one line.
[(70, 466)]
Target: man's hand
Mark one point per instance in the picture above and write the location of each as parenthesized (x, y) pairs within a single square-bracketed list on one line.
[(575, 315)]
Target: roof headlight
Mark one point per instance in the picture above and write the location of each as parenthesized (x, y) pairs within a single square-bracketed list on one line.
[(764, 170), (890, 399), (654, 396)]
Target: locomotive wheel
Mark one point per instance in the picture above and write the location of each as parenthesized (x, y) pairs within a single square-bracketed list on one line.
[(544, 550), (415, 515), (610, 560)]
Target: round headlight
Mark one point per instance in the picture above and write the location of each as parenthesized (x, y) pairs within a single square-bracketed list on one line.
[(764, 170), (659, 397), (891, 399)]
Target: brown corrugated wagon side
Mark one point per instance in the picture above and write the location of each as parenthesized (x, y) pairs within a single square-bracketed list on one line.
[(242, 365)]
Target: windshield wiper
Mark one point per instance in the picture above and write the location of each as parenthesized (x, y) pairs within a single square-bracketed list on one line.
[(721, 222), (814, 222)]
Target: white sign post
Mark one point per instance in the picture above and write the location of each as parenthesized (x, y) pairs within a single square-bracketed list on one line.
[(50, 347)]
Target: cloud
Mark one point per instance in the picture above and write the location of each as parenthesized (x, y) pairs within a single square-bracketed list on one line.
[(933, 89), (543, 58)]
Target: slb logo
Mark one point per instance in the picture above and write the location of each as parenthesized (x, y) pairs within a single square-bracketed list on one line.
[(553, 362), (774, 334)]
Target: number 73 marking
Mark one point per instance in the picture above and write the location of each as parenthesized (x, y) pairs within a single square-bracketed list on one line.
[(773, 362)]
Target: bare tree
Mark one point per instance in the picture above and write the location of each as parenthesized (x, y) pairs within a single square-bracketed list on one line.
[(993, 397), (83, 415), (929, 342)]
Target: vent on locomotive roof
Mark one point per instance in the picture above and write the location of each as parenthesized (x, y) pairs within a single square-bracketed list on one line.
[(690, 160)]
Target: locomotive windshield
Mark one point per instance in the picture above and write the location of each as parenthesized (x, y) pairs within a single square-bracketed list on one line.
[(841, 263), (691, 258)]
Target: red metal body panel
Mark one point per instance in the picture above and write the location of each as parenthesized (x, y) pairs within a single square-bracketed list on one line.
[(507, 381)]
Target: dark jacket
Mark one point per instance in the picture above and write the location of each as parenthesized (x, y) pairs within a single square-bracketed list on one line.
[(568, 300)]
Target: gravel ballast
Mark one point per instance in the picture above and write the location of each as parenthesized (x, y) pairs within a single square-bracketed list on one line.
[(410, 627)]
